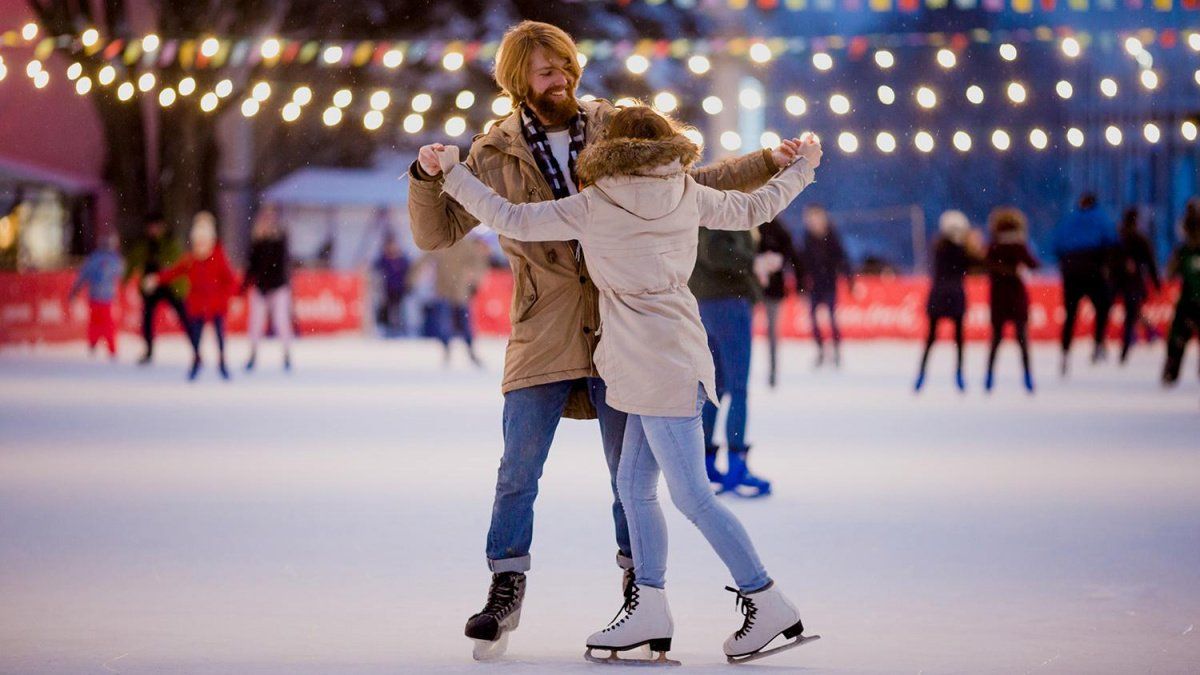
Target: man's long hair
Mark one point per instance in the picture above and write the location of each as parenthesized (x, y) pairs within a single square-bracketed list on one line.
[(516, 51)]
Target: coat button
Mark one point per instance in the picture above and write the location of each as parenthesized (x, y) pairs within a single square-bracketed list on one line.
[(582, 279), (587, 330)]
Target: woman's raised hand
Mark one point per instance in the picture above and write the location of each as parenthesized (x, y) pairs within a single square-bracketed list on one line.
[(810, 149), (447, 157), (427, 157)]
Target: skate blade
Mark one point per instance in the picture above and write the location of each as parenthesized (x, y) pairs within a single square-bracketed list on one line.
[(490, 650), (613, 660), (798, 641), (751, 494)]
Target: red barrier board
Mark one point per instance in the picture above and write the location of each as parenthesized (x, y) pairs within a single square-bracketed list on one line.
[(881, 307), (33, 306)]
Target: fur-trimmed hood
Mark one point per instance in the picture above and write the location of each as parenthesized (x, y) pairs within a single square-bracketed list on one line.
[(633, 156), (645, 178)]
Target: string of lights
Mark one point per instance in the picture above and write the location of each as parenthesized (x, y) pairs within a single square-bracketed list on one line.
[(382, 105), (213, 52)]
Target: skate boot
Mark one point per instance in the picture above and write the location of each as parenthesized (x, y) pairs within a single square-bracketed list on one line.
[(223, 370), (768, 615), (1029, 381), (989, 381), (195, 371), (820, 357), (499, 617), (1099, 354), (250, 362), (920, 382), (735, 474), (960, 381), (739, 476), (710, 465), (146, 359), (644, 619), (837, 355), (287, 362)]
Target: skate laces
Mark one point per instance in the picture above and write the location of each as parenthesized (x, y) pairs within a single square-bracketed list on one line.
[(623, 614), (501, 595), (746, 605)]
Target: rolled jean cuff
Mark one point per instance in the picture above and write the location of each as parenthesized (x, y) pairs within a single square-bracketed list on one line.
[(624, 561), (519, 564)]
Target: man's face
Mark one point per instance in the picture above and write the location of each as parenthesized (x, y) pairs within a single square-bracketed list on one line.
[(552, 92)]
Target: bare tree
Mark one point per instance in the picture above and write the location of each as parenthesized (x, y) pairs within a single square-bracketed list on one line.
[(159, 159)]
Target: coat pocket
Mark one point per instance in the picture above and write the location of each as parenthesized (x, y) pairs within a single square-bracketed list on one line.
[(524, 294)]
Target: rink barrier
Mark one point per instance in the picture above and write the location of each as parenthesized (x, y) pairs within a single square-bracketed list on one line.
[(887, 308), (33, 308)]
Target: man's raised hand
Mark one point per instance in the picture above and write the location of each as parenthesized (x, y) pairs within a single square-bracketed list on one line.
[(447, 157)]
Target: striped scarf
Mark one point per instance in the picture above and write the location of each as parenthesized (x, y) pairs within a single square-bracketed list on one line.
[(535, 135)]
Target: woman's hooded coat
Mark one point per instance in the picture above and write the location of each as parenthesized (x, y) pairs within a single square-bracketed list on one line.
[(637, 220)]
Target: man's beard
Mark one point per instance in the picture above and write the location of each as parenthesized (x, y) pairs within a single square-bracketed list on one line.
[(554, 111)]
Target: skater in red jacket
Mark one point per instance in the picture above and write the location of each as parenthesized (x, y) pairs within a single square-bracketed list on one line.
[(211, 284)]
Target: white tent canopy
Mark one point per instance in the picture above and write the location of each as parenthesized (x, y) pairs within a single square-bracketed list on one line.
[(347, 209)]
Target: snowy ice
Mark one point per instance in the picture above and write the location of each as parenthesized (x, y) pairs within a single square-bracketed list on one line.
[(333, 520)]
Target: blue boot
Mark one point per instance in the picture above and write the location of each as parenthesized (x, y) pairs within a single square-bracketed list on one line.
[(959, 381), (989, 381), (920, 382), (710, 465), (736, 473), (739, 476), (1029, 381)]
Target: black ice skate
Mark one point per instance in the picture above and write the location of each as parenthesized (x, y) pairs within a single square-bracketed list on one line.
[(499, 617)]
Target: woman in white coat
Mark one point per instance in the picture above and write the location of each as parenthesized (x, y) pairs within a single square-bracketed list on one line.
[(637, 221)]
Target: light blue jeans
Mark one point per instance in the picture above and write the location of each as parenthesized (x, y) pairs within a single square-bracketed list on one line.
[(676, 446)]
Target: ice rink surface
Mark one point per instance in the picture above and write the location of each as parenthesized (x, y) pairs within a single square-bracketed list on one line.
[(333, 520)]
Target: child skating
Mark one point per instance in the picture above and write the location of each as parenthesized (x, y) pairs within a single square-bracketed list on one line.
[(101, 273), (637, 221)]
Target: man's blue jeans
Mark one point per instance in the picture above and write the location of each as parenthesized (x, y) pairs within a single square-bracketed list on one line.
[(727, 322), (531, 417)]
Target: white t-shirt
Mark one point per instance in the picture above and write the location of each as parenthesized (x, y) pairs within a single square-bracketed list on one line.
[(560, 147)]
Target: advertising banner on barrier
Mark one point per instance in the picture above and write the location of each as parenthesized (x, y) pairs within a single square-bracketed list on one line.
[(33, 306), (881, 307)]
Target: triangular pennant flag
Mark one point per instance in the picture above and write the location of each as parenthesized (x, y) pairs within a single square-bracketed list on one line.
[(187, 53)]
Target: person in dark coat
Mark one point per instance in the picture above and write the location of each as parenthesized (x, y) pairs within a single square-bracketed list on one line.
[(947, 297), (825, 261), (393, 268), (726, 290), (1185, 266), (1134, 267), (268, 278), (1084, 243), (155, 251), (1007, 255), (776, 256)]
